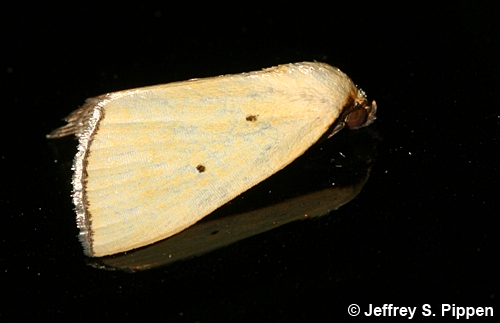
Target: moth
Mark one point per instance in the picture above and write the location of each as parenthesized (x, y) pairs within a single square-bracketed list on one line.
[(153, 161)]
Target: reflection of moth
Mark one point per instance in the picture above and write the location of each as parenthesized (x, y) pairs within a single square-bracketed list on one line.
[(153, 161), (204, 237)]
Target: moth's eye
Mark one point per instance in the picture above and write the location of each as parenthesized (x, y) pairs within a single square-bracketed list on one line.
[(357, 118)]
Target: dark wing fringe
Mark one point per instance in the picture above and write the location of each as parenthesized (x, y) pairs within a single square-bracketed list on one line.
[(76, 120)]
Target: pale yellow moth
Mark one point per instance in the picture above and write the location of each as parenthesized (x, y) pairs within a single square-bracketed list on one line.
[(153, 161)]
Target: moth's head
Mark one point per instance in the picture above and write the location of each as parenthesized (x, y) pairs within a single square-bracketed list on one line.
[(362, 113), (356, 113)]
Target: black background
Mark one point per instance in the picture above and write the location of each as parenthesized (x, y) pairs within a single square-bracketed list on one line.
[(423, 230)]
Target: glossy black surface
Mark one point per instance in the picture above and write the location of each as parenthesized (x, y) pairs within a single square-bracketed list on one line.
[(424, 229)]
